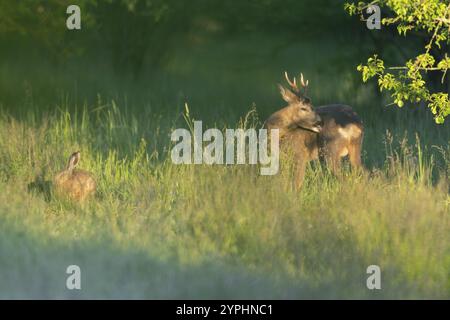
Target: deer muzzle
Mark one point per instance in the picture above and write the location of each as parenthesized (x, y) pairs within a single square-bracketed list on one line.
[(318, 125)]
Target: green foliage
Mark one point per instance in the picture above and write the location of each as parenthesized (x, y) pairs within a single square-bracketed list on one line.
[(408, 83)]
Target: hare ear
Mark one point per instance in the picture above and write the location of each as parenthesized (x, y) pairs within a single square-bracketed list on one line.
[(73, 160)]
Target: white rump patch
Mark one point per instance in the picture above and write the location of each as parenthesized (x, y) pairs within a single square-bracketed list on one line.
[(350, 132)]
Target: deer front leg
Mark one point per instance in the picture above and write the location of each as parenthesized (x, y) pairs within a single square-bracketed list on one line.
[(299, 173)]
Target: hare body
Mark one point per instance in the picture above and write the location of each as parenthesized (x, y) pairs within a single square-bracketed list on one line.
[(74, 183)]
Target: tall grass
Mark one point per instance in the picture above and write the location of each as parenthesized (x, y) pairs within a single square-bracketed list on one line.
[(158, 230)]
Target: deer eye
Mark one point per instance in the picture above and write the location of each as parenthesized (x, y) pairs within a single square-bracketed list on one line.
[(303, 109)]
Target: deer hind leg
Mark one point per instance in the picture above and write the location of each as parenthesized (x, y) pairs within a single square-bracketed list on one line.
[(354, 153)]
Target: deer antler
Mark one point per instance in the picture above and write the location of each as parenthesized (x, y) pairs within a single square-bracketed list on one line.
[(302, 82), (294, 85)]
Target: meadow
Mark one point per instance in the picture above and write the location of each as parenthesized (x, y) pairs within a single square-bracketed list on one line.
[(159, 230)]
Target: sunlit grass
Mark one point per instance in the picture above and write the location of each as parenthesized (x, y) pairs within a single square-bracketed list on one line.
[(157, 230)]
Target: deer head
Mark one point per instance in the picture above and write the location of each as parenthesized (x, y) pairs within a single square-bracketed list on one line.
[(302, 111)]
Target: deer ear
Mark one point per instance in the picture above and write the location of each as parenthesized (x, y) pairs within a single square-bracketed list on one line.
[(288, 95), (73, 160)]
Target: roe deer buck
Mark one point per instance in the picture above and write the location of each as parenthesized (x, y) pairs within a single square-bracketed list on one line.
[(330, 132)]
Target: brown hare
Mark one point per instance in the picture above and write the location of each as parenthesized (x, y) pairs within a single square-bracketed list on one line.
[(74, 183)]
